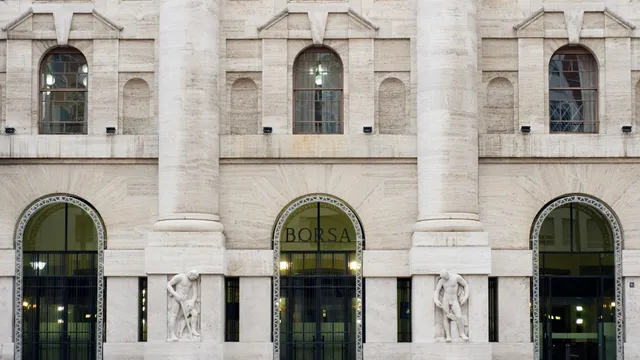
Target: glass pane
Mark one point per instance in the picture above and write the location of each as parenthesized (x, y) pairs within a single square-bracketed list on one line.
[(591, 230), (82, 233), (64, 71), (572, 319), (574, 264), (315, 69), (318, 226), (46, 230), (318, 111), (572, 70)]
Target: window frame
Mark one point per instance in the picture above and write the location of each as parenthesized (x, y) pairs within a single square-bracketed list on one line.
[(322, 49), (41, 90), (576, 50)]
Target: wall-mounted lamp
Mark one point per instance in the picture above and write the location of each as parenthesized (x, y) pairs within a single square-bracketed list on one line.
[(267, 130), (626, 129), (525, 129), (9, 130), (367, 129), (111, 130)]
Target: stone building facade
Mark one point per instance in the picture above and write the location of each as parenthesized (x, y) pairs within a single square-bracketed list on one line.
[(319, 164)]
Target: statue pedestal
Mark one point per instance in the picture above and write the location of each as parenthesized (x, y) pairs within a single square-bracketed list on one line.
[(451, 351), (183, 350)]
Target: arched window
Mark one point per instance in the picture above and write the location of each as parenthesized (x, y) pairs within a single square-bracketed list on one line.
[(317, 92), (318, 295), (573, 91), (577, 281), (64, 76), (59, 281)]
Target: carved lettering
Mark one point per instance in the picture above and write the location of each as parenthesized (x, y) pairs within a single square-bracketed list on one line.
[(307, 234)]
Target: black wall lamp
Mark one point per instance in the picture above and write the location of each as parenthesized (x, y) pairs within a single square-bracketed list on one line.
[(267, 130), (9, 130), (626, 129), (367, 129), (525, 129), (111, 130)]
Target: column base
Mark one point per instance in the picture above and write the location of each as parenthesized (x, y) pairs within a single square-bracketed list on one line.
[(189, 222), (248, 350), (175, 252), (448, 222), (387, 351), (451, 351)]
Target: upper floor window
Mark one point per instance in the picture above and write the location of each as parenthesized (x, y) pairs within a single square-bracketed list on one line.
[(64, 77), (317, 92), (573, 91)]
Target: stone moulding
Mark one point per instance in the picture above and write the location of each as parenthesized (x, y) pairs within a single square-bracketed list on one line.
[(19, 241), (62, 16), (276, 265), (318, 12), (619, 282), (573, 16)]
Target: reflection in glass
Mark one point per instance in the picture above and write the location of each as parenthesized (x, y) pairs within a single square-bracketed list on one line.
[(573, 91), (318, 92), (63, 92), (60, 284)]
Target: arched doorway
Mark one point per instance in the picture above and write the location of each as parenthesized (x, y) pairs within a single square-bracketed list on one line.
[(577, 307), (318, 288), (59, 281)]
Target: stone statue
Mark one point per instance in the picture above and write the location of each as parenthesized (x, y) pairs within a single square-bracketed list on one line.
[(183, 305), (455, 293)]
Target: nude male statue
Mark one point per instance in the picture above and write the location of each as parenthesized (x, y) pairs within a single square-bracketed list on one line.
[(182, 308), (450, 284)]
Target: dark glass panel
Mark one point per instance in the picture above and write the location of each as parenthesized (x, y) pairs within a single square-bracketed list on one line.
[(404, 309), (576, 227), (572, 70)]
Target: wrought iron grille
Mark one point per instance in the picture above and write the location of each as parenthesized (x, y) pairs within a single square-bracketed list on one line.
[(318, 306), (359, 284), (535, 283), (404, 309), (59, 305), (20, 271)]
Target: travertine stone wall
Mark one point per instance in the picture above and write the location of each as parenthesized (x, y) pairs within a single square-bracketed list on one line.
[(253, 194), (137, 116)]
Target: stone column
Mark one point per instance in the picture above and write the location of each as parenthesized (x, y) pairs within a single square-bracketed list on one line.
[(447, 106), (448, 234), (188, 234), (188, 116)]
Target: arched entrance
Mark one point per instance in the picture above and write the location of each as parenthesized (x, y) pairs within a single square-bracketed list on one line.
[(59, 281), (317, 287), (577, 302)]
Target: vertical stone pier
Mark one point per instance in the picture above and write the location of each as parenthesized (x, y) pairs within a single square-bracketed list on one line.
[(448, 233), (188, 234)]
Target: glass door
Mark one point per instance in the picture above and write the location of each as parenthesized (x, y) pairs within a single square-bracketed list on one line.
[(318, 301), (578, 318)]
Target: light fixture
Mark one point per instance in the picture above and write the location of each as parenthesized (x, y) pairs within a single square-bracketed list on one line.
[(579, 321), (525, 129), (25, 303), (626, 129), (579, 308), (60, 308), (9, 130), (284, 265), (353, 265), (319, 73), (367, 129), (111, 130), (84, 68), (267, 130), (84, 81), (613, 304), (49, 80), (38, 265), (60, 321)]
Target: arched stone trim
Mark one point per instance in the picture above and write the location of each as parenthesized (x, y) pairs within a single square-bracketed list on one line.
[(276, 264), (19, 240), (535, 245)]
